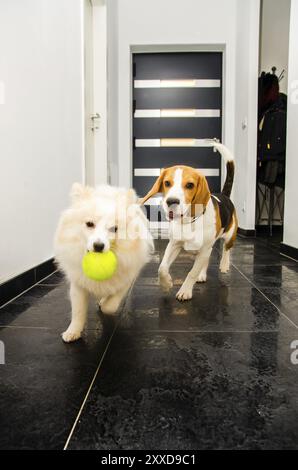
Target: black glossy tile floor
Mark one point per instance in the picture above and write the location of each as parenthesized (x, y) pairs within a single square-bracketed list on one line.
[(213, 373)]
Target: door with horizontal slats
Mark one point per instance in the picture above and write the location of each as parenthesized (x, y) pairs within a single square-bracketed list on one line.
[(177, 103)]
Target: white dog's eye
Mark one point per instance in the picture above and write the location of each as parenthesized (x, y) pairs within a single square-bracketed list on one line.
[(113, 229), (90, 224)]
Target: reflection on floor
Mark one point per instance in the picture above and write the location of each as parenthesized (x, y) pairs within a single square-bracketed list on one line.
[(212, 373)]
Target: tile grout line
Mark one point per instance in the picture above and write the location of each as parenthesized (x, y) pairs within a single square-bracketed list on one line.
[(89, 390), (26, 290), (28, 327), (265, 296), (97, 370), (262, 293), (49, 285), (161, 331), (209, 331), (289, 257), (48, 328)]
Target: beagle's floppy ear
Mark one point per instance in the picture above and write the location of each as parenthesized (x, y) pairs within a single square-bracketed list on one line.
[(202, 194), (156, 188)]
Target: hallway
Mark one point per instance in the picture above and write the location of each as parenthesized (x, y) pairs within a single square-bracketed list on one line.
[(213, 373)]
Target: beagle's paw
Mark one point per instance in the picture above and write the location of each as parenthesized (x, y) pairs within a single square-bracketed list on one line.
[(184, 293), (224, 270), (224, 267)]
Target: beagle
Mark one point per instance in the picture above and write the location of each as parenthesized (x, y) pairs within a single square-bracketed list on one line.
[(197, 219)]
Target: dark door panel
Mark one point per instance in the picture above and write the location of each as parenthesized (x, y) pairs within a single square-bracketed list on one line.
[(195, 95), (167, 66), (165, 157), (199, 128), (164, 98)]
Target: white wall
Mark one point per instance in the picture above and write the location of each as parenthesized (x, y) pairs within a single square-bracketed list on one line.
[(275, 38), (246, 92), (112, 90), (291, 212), (100, 89), (190, 24), (41, 125), (170, 23)]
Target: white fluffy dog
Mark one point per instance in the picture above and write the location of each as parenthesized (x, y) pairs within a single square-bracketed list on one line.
[(100, 219)]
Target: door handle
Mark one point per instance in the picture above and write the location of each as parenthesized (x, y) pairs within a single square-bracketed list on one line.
[(94, 117)]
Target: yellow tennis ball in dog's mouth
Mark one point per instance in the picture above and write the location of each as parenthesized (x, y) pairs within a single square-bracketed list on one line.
[(99, 266)]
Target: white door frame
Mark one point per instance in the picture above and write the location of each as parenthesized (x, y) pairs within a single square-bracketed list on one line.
[(96, 167)]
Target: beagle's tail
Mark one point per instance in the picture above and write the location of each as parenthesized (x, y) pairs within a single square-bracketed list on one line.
[(230, 165)]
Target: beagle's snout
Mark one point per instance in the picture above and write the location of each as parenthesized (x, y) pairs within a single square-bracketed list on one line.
[(98, 247), (171, 201)]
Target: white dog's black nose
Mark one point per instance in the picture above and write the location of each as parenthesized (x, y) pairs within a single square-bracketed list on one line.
[(172, 200), (98, 246)]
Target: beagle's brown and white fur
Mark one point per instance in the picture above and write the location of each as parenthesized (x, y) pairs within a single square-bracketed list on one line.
[(197, 219)]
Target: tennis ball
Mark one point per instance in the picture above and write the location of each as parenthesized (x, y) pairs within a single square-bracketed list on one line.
[(99, 266)]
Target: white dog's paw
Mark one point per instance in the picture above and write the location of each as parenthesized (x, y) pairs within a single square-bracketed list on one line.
[(165, 281), (184, 293), (110, 305), (71, 335), (202, 277)]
